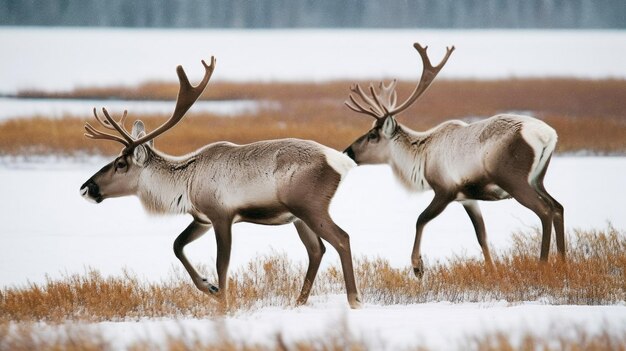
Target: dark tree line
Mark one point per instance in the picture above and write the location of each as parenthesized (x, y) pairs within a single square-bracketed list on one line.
[(317, 13)]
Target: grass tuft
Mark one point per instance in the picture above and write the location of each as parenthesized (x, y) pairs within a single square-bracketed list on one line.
[(593, 274), (35, 336)]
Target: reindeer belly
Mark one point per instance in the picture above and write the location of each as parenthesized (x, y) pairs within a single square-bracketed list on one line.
[(481, 191), (274, 214)]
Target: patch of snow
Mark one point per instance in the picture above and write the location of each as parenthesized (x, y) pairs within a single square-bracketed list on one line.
[(65, 58), (59, 108), (437, 326)]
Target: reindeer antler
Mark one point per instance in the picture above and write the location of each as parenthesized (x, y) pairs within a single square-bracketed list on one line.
[(383, 103), (187, 96)]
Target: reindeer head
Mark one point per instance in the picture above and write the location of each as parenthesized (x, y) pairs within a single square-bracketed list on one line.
[(121, 176), (373, 147)]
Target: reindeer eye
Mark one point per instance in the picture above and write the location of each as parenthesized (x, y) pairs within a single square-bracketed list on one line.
[(372, 136), (120, 164)]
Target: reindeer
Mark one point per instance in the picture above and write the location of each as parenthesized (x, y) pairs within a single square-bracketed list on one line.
[(268, 182), (496, 158)]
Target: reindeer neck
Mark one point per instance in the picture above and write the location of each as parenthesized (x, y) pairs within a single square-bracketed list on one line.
[(408, 158), (163, 184)]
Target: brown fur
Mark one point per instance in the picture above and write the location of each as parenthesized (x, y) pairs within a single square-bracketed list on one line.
[(268, 182), (486, 160)]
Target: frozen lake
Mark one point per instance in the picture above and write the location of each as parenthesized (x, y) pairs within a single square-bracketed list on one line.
[(53, 58), (57, 108), (47, 228)]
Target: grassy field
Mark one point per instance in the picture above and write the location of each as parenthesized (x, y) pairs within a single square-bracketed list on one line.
[(589, 115), (26, 337), (594, 274)]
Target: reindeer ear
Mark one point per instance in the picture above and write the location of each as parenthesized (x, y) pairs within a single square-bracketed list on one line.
[(140, 155), (139, 130), (389, 127)]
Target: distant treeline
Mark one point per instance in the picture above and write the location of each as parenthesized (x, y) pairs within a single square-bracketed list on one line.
[(317, 13)]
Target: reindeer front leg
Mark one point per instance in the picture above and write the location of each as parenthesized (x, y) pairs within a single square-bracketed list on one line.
[(436, 206), (223, 237), (193, 232), (476, 216)]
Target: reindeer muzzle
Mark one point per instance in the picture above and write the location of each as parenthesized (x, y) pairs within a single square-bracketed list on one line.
[(91, 192)]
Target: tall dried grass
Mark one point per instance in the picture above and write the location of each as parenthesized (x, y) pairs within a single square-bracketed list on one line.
[(594, 273), (31, 336), (587, 114), (575, 339), (445, 99)]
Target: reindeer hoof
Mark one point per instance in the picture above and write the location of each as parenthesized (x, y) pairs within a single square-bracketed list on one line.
[(418, 269), (419, 272), (207, 287), (355, 301)]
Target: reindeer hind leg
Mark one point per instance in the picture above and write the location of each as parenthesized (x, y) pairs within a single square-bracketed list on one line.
[(315, 250), (558, 210), (530, 198)]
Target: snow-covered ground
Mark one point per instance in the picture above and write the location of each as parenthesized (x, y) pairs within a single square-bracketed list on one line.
[(53, 59), (438, 326), (11, 108), (48, 229)]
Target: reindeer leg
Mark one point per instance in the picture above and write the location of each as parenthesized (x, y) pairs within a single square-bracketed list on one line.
[(223, 238), (557, 209), (559, 226), (436, 206), (315, 249), (191, 233), (473, 211), (532, 199), (326, 229)]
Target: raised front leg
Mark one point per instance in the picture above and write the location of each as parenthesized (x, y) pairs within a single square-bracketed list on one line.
[(436, 206), (315, 249), (473, 211), (193, 232)]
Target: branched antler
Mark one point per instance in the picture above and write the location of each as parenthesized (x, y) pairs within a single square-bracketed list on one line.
[(380, 104), (187, 96)]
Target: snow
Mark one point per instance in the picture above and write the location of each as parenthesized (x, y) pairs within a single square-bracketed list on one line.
[(47, 229), (438, 325), (64, 58), (50, 229), (11, 108)]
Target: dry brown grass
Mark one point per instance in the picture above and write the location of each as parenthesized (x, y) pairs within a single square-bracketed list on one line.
[(30, 336), (593, 274), (558, 340), (587, 114), (445, 99)]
